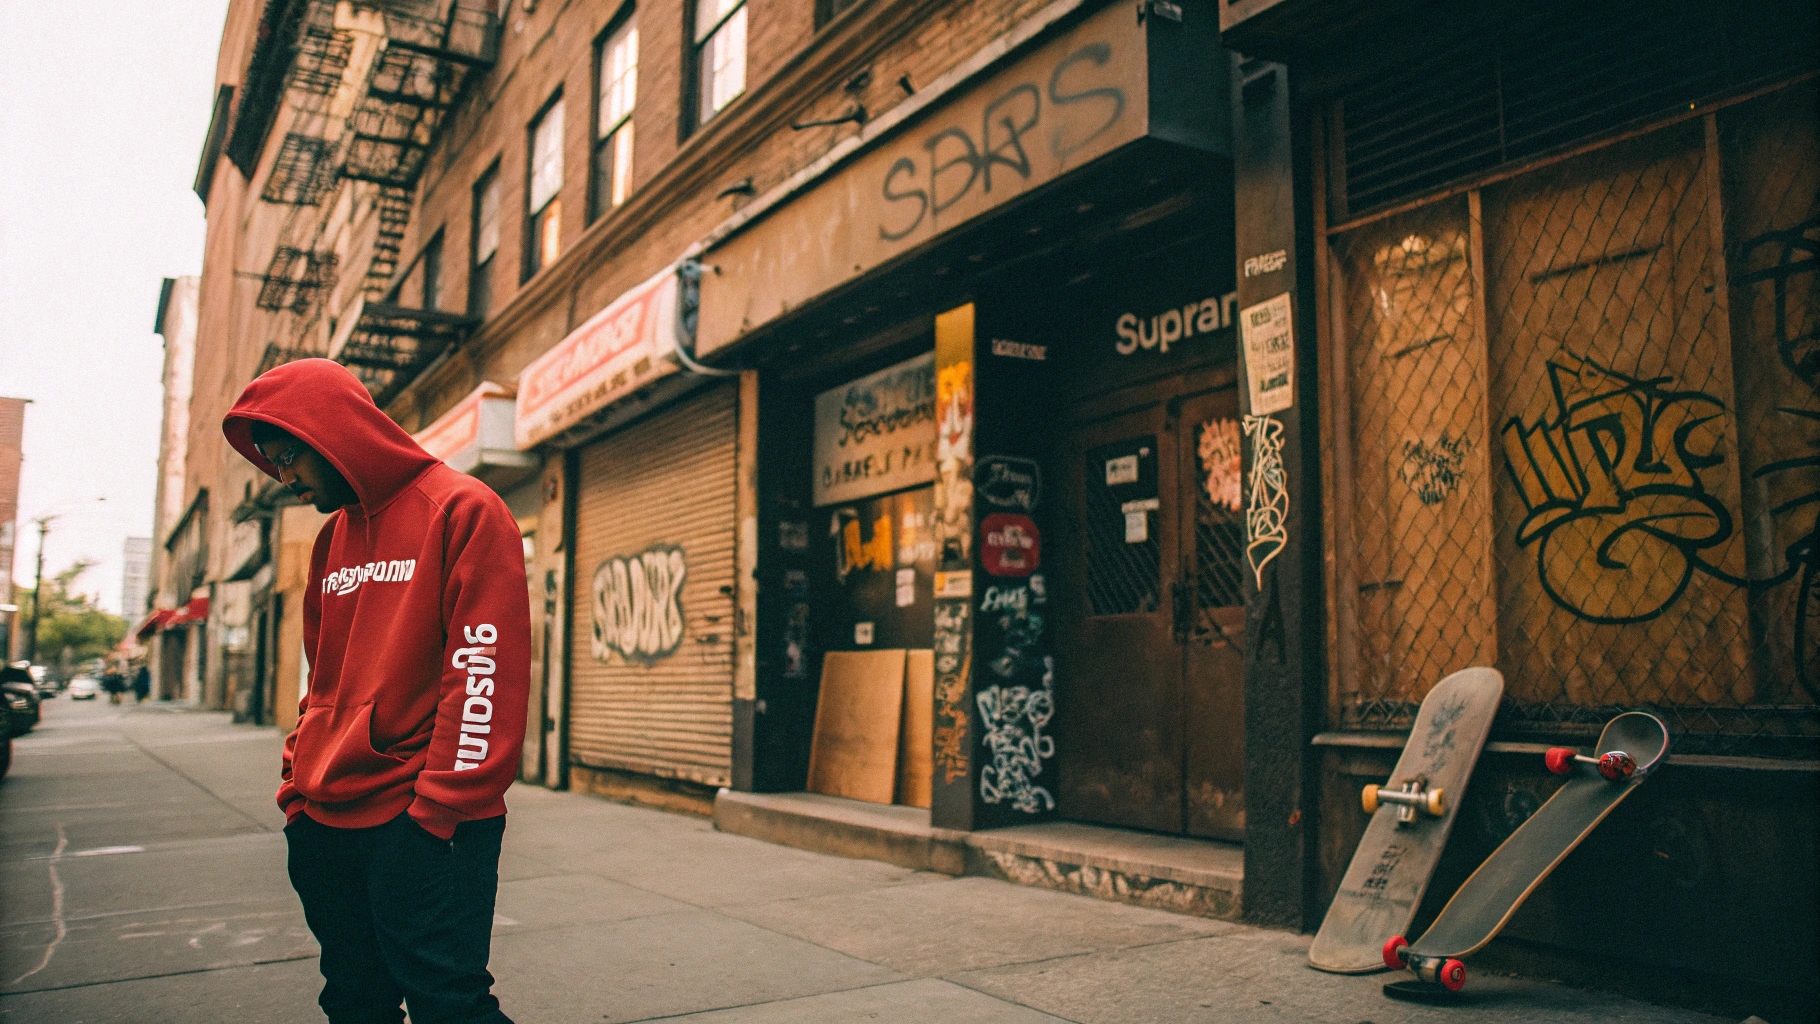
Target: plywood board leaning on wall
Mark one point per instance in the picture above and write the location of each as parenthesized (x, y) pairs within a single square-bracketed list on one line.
[(853, 752), (916, 749)]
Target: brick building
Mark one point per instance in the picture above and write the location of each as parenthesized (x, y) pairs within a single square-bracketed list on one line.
[(866, 380), (12, 457)]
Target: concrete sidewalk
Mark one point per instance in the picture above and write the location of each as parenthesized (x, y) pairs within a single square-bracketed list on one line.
[(142, 879)]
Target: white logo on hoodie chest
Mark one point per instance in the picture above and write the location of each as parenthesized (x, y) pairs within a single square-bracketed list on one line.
[(344, 581)]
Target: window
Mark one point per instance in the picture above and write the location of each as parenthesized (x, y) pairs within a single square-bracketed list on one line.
[(432, 273), (617, 93), (486, 242), (543, 209), (720, 55), (828, 10)]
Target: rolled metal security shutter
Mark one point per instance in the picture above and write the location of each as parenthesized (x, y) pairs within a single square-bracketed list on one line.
[(652, 610)]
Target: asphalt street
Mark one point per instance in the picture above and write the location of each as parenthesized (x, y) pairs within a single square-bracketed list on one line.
[(142, 879)]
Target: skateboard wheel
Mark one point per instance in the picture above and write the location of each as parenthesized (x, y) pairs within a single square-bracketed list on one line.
[(1437, 802), (1617, 765), (1368, 798), (1560, 760), (1393, 952), (1452, 976)]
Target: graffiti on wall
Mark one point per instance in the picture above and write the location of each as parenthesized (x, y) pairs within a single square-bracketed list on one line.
[(951, 670), (1014, 718), (1433, 470), (1221, 451), (1797, 252), (1619, 513), (1793, 276), (852, 550), (637, 605), (1267, 513), (1062, 118), (954, 463), (1009, 483)]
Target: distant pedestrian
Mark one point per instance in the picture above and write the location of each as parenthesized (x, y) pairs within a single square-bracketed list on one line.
[(115, 685), (417, 626), (142, 684)]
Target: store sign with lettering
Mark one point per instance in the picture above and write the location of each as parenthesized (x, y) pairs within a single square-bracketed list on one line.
[(877, 433), (617, 351), (1010, 545), (1157, 330), (1070, 101)]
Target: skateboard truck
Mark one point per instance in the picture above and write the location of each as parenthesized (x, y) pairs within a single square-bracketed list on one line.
[(1414, 795), (1446, 972), (1615, 765)]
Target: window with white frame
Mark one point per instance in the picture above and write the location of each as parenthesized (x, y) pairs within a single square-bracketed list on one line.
[(486, 242), (543, 211), (720, 55), (618, 93)]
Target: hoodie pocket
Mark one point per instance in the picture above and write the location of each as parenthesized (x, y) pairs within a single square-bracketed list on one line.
[(334, 760)]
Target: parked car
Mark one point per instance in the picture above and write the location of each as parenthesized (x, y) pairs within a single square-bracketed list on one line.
[(83, 688), (21, 697), (21, 706), (6, 744)]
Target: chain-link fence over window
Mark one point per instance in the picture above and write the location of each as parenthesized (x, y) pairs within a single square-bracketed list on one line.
[(1576, 435)]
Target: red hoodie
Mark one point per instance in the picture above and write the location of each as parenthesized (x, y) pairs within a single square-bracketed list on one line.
[(416, 620)]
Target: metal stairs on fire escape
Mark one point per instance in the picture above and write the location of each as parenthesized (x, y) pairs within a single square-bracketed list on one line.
[(393, 211), (431, 53)]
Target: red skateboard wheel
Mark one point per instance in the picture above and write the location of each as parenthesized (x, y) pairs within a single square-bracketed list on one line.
[(1617, 765), (1560, 760), (1393, 952), (1453, 976)]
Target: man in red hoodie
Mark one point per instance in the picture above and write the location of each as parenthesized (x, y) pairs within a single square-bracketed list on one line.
[(417, 628)]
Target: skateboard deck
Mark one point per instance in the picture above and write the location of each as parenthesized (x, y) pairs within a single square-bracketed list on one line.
[(1630, 747), (1390, 870)]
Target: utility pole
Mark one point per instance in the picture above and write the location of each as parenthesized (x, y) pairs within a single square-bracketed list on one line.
[(31, 635)]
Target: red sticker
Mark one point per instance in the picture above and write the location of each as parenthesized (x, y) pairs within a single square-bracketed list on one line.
[(1012, 546)]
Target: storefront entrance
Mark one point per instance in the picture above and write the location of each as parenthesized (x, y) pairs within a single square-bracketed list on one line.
[(1149, 687)]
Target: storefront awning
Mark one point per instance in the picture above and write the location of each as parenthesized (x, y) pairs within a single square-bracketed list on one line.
[(622, 348), (196, 611), (475, 437), (153, 623), (1005, 129)]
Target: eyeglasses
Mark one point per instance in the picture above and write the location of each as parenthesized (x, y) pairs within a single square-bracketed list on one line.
[(284, 459)]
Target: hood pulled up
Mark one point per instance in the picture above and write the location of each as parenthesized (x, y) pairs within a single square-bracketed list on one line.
[(326, 407)]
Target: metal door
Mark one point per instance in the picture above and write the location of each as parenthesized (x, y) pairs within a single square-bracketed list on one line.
[(1150, 701), (651, 630), (1210, 617), (1119, 677)]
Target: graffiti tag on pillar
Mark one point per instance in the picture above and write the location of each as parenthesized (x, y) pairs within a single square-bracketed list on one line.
[(954, 465), (637, 605), (1267, 511), (1014, 718), (951, 670)]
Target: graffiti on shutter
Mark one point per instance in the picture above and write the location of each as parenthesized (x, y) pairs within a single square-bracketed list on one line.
[(637, 605)]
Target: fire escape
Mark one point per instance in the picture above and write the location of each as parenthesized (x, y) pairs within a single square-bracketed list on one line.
[(416, 82), (305, 172), (430, 53)]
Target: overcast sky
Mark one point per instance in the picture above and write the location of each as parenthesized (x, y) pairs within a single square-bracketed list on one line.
[(103, 108)]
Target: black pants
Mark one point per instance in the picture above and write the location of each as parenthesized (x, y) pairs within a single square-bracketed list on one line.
[(402, 916)]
